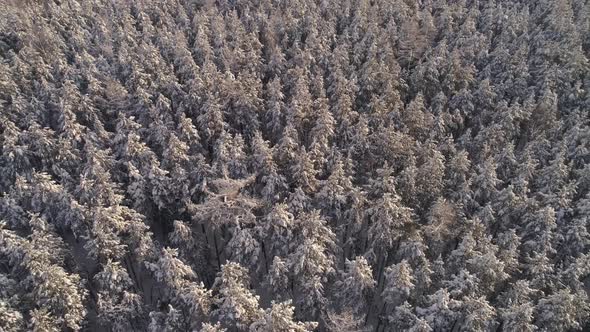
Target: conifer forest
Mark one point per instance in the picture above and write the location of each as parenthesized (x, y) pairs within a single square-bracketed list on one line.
[(295, 165)]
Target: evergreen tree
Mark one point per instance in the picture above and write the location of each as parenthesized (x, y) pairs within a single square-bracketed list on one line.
[(381, 165)]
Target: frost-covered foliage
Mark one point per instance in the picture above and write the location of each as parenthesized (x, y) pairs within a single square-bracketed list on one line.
[(300, 165)]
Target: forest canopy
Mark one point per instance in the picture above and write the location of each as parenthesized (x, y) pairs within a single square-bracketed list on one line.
[(300, 165)]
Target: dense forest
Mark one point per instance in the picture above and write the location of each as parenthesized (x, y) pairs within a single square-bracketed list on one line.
[(294, 165)]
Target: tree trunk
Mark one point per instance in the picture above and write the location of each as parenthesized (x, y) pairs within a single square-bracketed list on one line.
[(265, 256), (216, 251), (344, 241)]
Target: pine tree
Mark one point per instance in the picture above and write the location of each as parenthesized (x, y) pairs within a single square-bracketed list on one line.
[(380, 165), (236, 305), (480, 315), (356, 284), (561, 310), (279, 317), (312, 261), (399, 282)]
